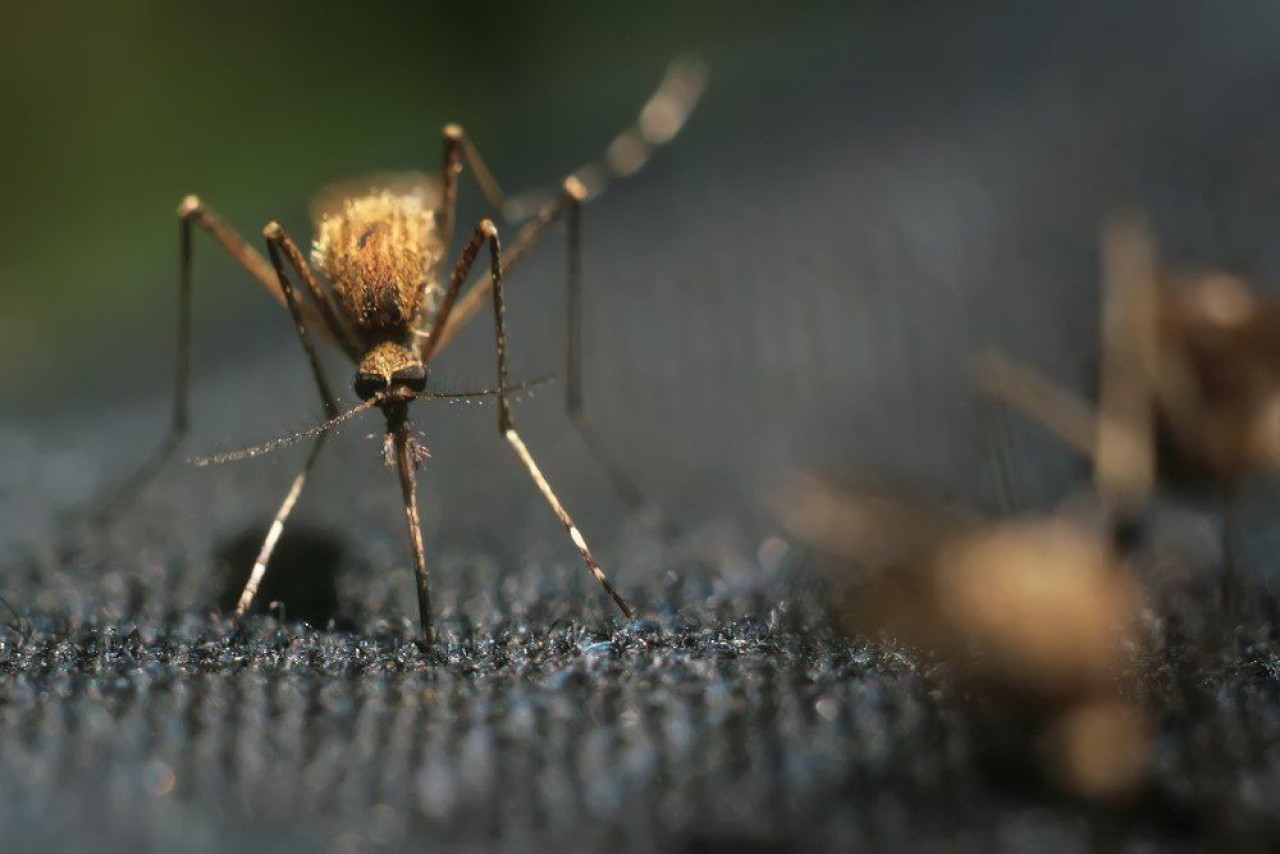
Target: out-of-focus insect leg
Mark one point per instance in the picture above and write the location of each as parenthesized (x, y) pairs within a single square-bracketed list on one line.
[(530, 234), (622, 482), (191, 212), (660, 119), (1035, 397), (506, 425), (1125, 459), (278, 242), (569, 203), (487, 232)]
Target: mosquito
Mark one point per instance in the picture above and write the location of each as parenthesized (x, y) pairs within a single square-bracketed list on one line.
[(1189, 385), (382, 297), (1037, 613)]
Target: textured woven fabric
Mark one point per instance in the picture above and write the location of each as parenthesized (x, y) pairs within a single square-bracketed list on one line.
[(728, 715)]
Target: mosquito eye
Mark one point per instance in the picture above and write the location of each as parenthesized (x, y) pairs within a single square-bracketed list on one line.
[(366, 386), (413, 377)]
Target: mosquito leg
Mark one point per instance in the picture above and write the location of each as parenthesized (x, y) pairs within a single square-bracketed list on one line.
[(1068, 418), (332, 319), (488, 232), (180, 420), (453, 313), (530, 235), (660, 119), (470, 304), (435, 338), (1125, 456), (1027, 392), (192, 212), (142, 477), (506, 422), (278, 242), (458, 145), (572, 195), (277, 528), (513, 438), (450, 171), (575, 194)]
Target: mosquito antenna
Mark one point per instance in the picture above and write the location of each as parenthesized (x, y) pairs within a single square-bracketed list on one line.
[(484, 392), (285, 441)]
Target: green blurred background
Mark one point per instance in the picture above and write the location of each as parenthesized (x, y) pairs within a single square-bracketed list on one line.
[(115, 111)]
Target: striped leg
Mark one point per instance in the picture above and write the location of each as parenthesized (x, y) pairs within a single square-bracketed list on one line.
[(281, 246), (507, 426)]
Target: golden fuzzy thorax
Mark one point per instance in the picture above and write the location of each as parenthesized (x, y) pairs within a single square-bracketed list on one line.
[(379, 250)]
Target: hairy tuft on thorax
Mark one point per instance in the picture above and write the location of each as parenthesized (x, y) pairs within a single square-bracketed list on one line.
[(379, 250)]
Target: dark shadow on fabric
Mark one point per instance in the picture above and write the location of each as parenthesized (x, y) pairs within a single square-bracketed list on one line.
[(300, 583)]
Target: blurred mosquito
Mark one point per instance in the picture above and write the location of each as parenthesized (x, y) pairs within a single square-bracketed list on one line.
[(381, 247), (1039, 615), (1189, 389)]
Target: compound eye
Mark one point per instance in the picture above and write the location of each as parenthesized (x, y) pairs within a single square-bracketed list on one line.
[(414, 377), (366, 386)]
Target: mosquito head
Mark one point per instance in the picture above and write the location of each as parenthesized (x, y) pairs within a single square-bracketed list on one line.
[(392, 370)]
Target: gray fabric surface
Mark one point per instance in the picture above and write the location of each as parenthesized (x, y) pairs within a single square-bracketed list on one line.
[(728, 714)]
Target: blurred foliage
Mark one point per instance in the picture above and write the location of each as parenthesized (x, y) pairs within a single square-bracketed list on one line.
[(115, 111)]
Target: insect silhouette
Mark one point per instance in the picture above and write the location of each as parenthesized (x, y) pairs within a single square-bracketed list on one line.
[(1038, 617), (1189, 391), (383, 298)]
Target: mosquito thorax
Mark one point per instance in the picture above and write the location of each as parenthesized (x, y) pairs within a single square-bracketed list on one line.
[(390, 367), (377, 248)]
